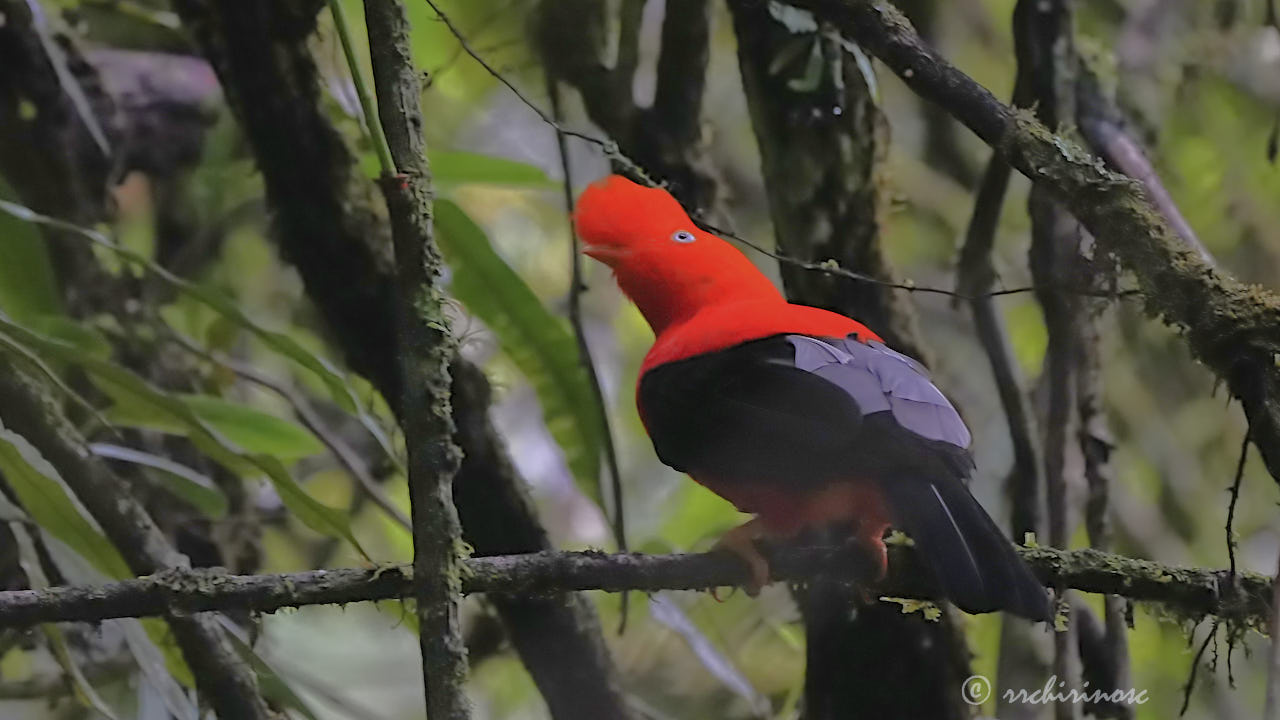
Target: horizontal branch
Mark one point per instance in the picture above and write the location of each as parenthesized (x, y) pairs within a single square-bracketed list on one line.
[(1187, 590)]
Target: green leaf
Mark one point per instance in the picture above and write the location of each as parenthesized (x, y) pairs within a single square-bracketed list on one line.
[(30, 357), (40, 490), (252, 430), (540, 344), (127, 388), (27, 283), (63, 328), (162, 637), (459, 166), (177, 478)]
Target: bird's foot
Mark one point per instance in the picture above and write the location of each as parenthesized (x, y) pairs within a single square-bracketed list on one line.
[(741, 542)]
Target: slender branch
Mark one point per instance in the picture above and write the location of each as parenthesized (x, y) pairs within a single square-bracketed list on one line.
[(1231, 504), (1045, 49), (372, 125), (1191, 591), (975, 275), (1195, 668), (1110, 666), (576, 287), (426, 348)]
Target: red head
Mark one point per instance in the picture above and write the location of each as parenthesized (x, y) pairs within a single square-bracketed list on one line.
[(667, 266)]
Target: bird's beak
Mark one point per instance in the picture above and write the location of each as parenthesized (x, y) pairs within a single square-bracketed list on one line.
[(603, 253)]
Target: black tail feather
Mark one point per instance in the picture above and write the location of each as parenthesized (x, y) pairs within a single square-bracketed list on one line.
[(974, 562)]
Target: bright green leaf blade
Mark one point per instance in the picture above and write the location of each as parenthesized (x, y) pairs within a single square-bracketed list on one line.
[(177, 478), (458, 167), (252, 430), (539, 343), (40, 490), (28, 286)]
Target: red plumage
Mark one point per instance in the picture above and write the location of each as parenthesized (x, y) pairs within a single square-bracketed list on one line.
[(798, 415)]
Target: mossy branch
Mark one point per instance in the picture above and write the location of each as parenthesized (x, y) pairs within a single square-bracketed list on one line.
[(426, 347), (1192, 592)]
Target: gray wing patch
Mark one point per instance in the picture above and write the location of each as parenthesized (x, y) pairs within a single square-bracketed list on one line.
[(879, 379)]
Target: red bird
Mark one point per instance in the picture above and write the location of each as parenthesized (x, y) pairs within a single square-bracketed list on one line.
[(800, 416)]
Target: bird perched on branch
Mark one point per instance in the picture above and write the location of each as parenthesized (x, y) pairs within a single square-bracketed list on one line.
[(797, 415)]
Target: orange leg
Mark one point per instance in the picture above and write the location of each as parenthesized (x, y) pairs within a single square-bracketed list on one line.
[(870, 536), (741, 542)]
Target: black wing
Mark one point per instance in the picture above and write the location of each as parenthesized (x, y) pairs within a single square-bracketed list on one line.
[(803, 412), (796, 408)]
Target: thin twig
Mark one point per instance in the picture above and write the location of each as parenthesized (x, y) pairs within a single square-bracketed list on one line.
[(1231, 506), (1195, 668), (367, 105), (576, 286), (546, 118), (832, 268), (975, 276)]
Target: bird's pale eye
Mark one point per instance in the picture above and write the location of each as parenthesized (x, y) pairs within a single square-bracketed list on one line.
[(683, 236)]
